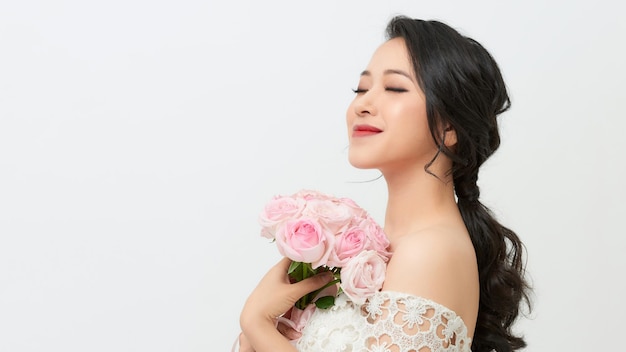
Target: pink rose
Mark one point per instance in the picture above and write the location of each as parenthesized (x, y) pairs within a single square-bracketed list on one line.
[(304, 240), (355, 208), (378, 241), (363, 275), (348, 244), (308, 194), (332, 215), (277, 211)]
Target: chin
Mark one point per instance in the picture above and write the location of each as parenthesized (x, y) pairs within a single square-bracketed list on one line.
[(361, 162)]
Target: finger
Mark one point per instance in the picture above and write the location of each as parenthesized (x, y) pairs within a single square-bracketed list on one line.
[(288, 332), (313, 283)]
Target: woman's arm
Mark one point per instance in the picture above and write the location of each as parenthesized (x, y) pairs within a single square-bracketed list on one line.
[(439, 265), (273, 296)]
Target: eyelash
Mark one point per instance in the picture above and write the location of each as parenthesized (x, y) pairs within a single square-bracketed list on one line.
[(390, 89)]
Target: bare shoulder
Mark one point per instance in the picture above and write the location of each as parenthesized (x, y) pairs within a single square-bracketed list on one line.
[(438, 263)]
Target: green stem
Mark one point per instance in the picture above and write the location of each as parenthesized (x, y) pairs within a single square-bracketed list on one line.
[(305, 272)]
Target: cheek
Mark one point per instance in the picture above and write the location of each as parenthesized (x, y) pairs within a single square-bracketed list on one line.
[(412, 108), (409, 117), (411, 125)]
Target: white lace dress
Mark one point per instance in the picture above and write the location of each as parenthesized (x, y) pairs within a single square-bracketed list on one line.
[(387, 322)]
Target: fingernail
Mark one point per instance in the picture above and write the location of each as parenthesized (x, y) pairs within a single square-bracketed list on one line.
[(327, 275)]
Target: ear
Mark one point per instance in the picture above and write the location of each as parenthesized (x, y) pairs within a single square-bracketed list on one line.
[(450, 137)]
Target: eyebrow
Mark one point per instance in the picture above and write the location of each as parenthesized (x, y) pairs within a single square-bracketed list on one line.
[(389, 72)]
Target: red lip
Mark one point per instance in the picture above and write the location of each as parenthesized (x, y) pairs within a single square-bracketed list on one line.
[(364, 130)]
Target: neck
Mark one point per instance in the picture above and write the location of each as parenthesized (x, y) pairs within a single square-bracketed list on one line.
[(416, 200)]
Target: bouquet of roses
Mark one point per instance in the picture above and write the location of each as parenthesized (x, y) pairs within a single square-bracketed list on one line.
[(319, 232)]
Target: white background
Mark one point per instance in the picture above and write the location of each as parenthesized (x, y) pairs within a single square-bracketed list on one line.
[(139, 141)]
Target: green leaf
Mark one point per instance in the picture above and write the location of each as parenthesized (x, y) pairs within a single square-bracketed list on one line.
[(293, 266), (325, 302)]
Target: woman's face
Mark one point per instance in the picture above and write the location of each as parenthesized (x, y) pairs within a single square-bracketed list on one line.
[(387, 124)]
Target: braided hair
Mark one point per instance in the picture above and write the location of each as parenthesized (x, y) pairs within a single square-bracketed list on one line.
[(464, 89)]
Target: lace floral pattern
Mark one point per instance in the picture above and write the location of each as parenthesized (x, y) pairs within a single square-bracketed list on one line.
[(387, 322)]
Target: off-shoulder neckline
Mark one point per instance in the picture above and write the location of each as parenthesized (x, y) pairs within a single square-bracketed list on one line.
[(396, 294)]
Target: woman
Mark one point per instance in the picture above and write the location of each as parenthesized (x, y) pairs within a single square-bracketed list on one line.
[(424, 114)]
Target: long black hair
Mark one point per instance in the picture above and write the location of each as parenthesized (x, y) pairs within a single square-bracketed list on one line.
[(465, 91)]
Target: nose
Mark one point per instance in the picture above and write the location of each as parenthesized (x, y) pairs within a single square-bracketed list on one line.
[(364, 104)]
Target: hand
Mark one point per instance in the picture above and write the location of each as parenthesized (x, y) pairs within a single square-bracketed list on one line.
[(244, 344), (287, 331), (275, 295)]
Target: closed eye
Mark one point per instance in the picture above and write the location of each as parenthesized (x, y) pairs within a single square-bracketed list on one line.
[(389, 89), (396, 90)]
